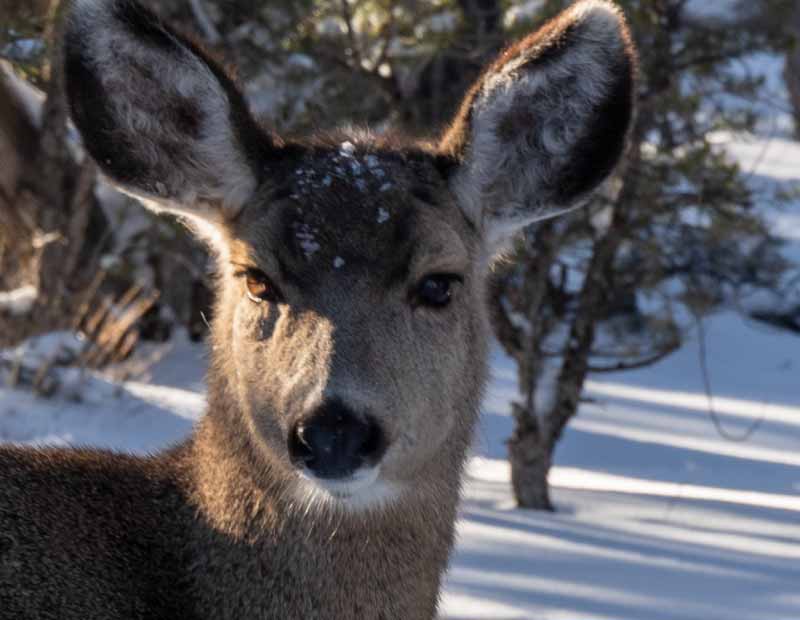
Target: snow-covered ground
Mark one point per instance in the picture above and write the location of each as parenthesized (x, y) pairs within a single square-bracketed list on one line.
[(659, 516)]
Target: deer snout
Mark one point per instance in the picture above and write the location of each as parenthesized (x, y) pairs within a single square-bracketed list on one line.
[(334, 442)]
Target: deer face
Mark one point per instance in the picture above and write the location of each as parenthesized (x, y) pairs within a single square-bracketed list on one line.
[(357, 328), (351, 330)]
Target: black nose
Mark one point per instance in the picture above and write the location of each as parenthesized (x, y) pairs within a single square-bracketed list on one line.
[(333, 442)]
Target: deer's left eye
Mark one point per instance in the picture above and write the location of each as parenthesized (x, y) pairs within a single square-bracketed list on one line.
[(436, 290), (260, 287)]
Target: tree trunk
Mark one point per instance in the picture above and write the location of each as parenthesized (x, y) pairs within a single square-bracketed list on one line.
[(530, 459), (792, 70), (591, 306), (529, 455), (531, 447), (52, 229), (18, 137)]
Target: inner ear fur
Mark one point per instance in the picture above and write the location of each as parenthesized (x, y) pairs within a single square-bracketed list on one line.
[(163, 120), (545, 123)]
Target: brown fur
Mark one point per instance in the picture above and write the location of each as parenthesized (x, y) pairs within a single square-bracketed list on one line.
[(346, 227)]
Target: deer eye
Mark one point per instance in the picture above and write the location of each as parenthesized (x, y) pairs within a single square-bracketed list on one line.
[(436, 290), (260, 287)]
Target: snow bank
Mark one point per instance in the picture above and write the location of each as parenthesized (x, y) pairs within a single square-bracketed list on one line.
[(18, 302)]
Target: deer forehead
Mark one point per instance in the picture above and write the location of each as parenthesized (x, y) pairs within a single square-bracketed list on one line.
[(347, 211)]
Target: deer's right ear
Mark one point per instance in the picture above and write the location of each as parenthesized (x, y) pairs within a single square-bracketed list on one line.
[(163, 122)]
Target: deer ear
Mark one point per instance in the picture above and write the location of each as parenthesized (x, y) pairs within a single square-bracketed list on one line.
[(163, 122), (546, 122)]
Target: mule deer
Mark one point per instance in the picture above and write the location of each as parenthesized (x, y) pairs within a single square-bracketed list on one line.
[(349, 342)]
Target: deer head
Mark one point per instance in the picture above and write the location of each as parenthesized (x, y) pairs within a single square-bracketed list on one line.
[(351, 336)]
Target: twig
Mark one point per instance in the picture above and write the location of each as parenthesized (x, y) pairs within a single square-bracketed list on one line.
[(703, 358), (82, 204), (641, 363), (351, 35), (209, 30)]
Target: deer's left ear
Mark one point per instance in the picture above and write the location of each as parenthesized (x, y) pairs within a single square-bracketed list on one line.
[(546, 122)]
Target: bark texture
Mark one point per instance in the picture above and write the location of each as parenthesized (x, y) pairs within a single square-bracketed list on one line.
[(792, 70)]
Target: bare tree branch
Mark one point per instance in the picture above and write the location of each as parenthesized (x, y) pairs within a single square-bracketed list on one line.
[(640, 363)]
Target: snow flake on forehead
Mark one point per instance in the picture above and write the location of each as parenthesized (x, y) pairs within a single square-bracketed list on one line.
[(306, 238), (367, 172)]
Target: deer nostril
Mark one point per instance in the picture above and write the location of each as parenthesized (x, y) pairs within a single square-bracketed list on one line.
[(374, 444), (334, 442)]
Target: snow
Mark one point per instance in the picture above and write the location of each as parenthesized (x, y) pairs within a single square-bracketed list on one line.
[(141, 416), (522, 13), (658, 516), (306, 239), (23, 49), (769, 161), (62, 345), (18, 302), (302, 61), (719, 10)]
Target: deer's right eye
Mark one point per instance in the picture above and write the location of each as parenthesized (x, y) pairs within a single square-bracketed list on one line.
[(260, 287)]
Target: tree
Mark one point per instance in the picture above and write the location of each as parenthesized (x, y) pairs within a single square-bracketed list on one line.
[(675, 235), (52, 227), (792, 71), (54, 232)]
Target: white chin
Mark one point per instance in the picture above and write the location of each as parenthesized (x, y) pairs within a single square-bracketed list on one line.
[(361, 490)]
